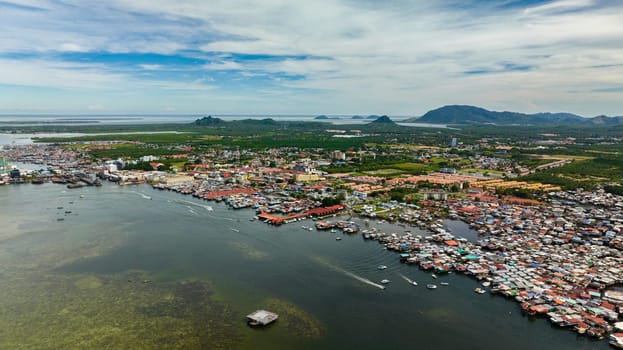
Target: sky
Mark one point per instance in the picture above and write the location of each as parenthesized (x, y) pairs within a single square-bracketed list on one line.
[(394, 57)]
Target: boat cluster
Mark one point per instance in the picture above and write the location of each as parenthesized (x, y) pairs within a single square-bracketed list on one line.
[(558, 261)]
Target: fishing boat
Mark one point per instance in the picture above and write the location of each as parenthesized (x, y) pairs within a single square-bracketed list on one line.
[(479, 290), (431, 286), (381, 267)]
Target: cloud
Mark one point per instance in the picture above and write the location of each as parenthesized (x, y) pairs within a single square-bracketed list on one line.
[(150, 66), (71, 47), (341, 56)]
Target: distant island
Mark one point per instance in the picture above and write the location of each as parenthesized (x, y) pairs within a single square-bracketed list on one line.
[(211, 121), (368, 117), (324, 117), (464, 114)]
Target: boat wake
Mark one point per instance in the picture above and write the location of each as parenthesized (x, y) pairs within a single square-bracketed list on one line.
[(410, 281), (348, 273), (191, 210), (206, 207), (144, 196)]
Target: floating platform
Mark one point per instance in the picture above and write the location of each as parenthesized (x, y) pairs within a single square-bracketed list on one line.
[(261, 318)]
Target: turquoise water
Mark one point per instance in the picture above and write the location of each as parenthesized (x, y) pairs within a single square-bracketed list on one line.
[(113, 231)]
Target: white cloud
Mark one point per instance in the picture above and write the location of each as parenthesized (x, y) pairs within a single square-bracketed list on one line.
[(72, 47), (390, 57), (150, 66)]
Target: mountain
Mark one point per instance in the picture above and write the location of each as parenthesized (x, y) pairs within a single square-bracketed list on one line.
[(461, 114), (382, 120), (256, 122), (382, 124), (208, 121)]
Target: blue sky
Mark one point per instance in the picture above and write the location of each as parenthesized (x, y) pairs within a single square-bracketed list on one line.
[(396, 57)]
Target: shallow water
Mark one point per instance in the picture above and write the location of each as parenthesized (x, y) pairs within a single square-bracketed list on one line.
[(134, 267)]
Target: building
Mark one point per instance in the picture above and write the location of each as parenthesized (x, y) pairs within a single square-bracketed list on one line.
[(453, 142), (15, 173), (447, 170), (338, 155), (435, 195), (307, 177)]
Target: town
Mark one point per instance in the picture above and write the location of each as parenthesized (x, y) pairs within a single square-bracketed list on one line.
[(555, 251)]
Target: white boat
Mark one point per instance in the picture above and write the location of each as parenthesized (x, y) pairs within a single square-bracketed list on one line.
[(338, 238), (486, 284), (385, 281), (445, 283), (333, 230), (479, 290), (381, 267), (431, 286), (434, 276), (414, 283)]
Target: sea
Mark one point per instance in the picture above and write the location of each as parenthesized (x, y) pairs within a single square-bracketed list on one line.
[(129, 267), (79, 120)]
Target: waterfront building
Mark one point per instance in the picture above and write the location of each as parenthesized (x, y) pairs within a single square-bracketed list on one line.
[(15, 173)]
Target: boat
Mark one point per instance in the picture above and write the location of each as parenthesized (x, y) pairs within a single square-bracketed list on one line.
[(479, 290), (616, 340), (338, 238), (431, 286), (445, 283), (37, 181), (434, 276), (381, 267), (414, 283), (385, 281), (235, 229), (486, 284)]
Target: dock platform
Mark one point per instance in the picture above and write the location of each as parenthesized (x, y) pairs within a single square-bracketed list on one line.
[(261, 318)]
